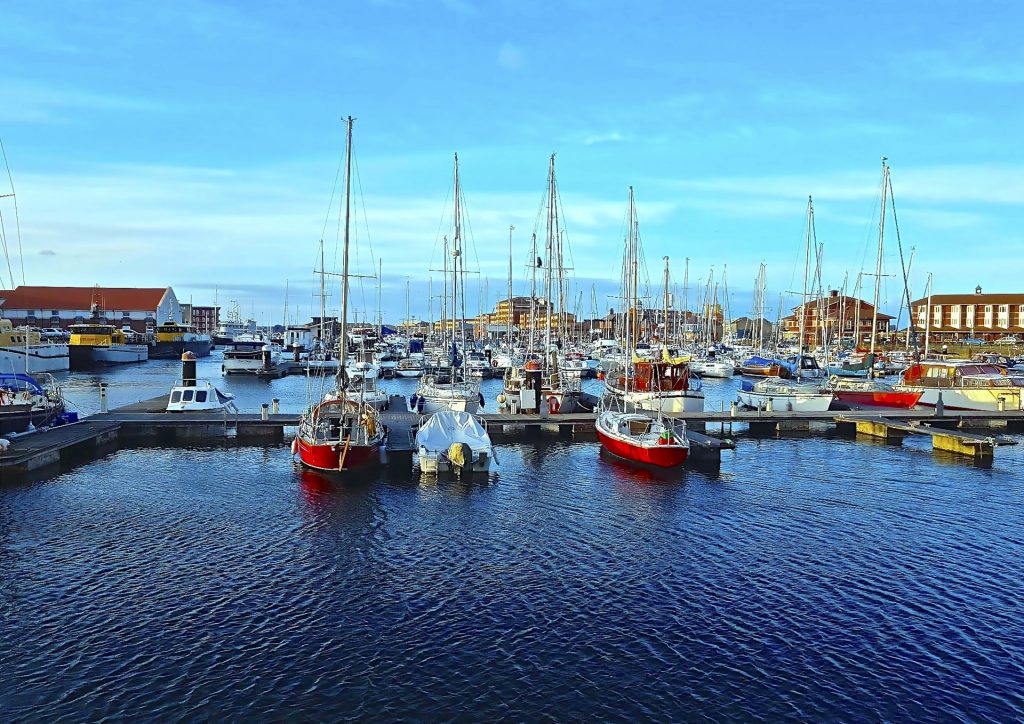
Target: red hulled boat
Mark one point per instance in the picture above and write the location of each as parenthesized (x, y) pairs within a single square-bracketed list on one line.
[(641, 439), (339, 434), (871, 393)]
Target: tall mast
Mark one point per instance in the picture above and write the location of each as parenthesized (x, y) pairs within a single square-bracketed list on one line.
[(508, 327), (550, 252), (878, 260), (323, 299), (807, 265), (928, 318), (533, 291), (630, 294), (342, 377), (380, 312), (664, 337), (457, 294)]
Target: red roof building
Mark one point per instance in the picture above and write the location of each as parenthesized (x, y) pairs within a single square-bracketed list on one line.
[(140, 308)]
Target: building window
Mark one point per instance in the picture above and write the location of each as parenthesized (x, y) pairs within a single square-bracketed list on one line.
[(1020, 316), (937, 315), (922, 316), (954, 316), (988, 315), (1004, 316), (971, 318)]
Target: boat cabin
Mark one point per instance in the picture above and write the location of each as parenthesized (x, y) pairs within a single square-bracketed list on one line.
[(96, 335)]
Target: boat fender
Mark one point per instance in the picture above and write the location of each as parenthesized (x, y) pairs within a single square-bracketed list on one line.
[(553, 406), (494, 363), (412, 401), (295, 445), (665, 438), (481, 396)]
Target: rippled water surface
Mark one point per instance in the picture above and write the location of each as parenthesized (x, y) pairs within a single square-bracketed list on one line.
[(811, 578)]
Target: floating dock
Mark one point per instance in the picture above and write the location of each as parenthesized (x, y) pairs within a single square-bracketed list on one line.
[(147, 421)]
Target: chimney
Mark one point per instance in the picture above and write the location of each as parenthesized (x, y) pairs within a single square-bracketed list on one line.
[(833, 293), (977, 289)]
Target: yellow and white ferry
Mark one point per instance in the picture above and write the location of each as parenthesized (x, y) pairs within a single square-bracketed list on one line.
[(103, 344)]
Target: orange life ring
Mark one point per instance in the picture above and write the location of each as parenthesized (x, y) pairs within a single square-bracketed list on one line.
[(553, 405)]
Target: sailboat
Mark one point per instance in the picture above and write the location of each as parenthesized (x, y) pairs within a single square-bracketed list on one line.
[(341, 432), (659, 382), (461, 393), (867, 391), (792, 395), (637, 436), (540, 380)]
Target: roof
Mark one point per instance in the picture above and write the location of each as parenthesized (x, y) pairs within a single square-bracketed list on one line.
[(973, 299), (110, 298)]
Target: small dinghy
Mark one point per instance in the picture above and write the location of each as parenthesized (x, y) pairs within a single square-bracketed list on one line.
[(454, 441)]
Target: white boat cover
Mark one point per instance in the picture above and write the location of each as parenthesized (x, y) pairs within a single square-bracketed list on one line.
[(447, 427)]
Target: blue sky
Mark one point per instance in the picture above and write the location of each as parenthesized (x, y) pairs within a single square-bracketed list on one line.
[(196, 143)]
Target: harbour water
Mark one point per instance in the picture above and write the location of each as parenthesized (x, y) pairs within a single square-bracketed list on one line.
[(814, 578)]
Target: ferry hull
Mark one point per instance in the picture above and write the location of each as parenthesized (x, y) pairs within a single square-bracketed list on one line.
[(174, 350), (662, 456), (327, 458), (84, 357), (41, 358)]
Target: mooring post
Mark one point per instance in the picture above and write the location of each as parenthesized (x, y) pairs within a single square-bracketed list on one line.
[(103, 396), (276, 407), (264, 411), (769, 406), (940, 406)]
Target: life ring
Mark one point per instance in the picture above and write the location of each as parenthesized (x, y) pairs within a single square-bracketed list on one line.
[(494, 363), (553, 406)]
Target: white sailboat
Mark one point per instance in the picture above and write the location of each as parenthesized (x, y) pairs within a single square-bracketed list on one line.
[(461, 393)]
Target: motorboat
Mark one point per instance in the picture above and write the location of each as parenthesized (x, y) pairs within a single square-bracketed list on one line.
[(97, 344), (963, 385), (758, 366), (250, 357), (199, 396), (784, 395), (454, 442), (173, 340), (641, 438), (366, 391)]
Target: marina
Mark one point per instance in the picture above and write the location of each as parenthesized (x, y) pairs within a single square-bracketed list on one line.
[(529, 362)]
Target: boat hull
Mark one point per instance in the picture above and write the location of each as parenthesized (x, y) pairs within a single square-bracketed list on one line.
[(865, 398), (669, 403), (41, 358), (662, 456), (327, 457), (84, 357), (174, 350), (785, 402), (955, 398)]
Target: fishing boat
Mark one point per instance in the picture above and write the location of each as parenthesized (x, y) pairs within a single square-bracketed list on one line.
[(455, 442), (662, 385), (783, 395), (97, 344), (963, 385), (26, 350), (174, 339), (341, 432), (871, 393), (27, 403)]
